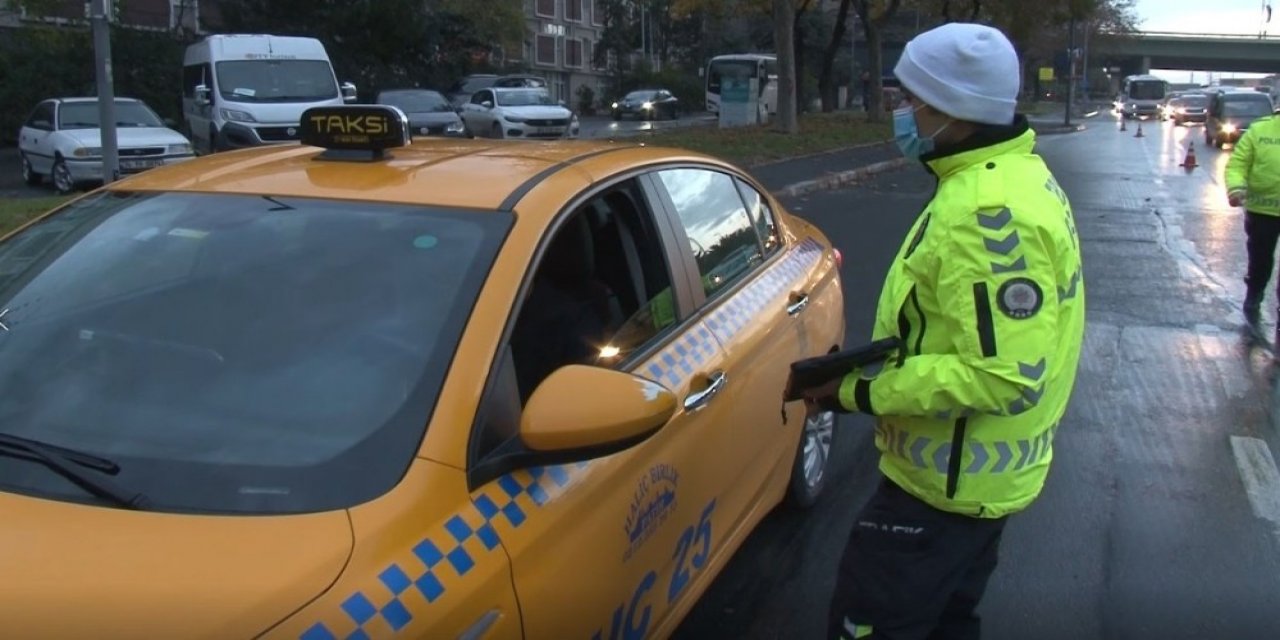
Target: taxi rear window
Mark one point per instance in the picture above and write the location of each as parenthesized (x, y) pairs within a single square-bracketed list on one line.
[(232, 353)]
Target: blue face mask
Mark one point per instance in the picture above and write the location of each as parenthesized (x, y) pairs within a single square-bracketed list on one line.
[(907, 135)]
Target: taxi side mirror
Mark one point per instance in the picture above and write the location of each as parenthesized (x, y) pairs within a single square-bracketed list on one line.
[(589, 412)]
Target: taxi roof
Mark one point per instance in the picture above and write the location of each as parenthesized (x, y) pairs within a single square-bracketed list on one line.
[(472, 174)]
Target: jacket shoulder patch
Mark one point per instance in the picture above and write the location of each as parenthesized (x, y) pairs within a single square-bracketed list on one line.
[(1020, 298)]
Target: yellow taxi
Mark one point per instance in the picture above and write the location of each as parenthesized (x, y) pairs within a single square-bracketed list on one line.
[(365, 387)]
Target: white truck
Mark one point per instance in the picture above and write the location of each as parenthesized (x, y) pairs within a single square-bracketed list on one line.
[(245, 90)]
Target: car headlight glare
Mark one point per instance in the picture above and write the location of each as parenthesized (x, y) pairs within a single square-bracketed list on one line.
[(646, 106), (179, 149), (615, 105), (87, 152), (236, 115), (1228, 128)]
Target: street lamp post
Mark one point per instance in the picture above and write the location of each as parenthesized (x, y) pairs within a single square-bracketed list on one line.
[(100, 17)]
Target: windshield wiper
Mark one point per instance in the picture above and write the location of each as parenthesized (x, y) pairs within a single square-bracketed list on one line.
[(67, 463)]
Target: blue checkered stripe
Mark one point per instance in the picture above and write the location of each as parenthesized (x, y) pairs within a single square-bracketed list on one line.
[(675, 364), (746, 305), (441, 561)]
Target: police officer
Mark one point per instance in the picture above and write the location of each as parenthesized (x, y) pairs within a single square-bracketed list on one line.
[(987, 299), (1253, 180)]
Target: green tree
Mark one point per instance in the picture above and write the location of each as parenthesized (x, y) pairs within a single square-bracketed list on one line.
[(874, 15), (382, 43)]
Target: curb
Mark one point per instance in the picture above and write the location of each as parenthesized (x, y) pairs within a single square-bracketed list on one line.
[(865, 145), (838, 179)]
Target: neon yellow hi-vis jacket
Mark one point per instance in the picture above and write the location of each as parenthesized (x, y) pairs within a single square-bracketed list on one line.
[(988, 298), (1254, 167)]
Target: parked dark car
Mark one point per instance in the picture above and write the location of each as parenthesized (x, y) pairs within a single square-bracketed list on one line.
[(647, 104), (462, 90), (430, 114)]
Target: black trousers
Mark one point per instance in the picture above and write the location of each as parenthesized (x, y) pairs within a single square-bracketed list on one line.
[(912, 572), (1260, 231)]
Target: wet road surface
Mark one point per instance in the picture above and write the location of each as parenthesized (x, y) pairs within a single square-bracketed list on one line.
[(1161, 515)]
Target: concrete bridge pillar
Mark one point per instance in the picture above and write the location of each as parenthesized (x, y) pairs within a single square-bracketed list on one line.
[(1146, 65)]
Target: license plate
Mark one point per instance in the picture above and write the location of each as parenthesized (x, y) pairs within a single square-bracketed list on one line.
[(547, 130), (139, 164)]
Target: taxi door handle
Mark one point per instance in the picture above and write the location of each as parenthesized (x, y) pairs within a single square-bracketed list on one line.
[(798, 303), (699, 399)]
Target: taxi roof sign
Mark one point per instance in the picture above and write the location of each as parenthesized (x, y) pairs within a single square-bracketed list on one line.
[(355, 132)]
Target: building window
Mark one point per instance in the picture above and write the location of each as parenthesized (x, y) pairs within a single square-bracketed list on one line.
[(545, 8), (573, 11), (573, 53), (597, 13), (546, 50)]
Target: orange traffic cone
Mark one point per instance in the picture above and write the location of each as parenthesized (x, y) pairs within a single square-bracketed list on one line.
[(1122, 125), (1139, 133), (1190, 162)]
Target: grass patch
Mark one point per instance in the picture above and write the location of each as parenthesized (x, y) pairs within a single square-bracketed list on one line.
[(1038, 108), (749, 146), (15, 211)]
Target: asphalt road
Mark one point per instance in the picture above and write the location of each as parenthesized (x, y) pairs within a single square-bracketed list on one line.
[(1151, 524)]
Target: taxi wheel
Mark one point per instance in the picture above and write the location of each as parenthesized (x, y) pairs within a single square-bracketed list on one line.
[(809, 471)]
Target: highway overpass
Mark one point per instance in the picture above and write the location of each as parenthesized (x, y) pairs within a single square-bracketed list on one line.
[(1141, 52)]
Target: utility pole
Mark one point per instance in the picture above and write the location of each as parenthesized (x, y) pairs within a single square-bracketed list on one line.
[(855, 83), (100, 17), (1071, 70)]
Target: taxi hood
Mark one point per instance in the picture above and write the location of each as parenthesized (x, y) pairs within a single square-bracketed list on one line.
[(76, 571)]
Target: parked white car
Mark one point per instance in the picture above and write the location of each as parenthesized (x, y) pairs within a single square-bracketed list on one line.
[(62, 140), (518, 113)]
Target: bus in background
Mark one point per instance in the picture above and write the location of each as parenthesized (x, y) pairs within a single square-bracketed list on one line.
[(744, 66), (1141, 96)]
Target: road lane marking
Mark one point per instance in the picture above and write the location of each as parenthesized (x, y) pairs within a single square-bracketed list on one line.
[(1261, 478)]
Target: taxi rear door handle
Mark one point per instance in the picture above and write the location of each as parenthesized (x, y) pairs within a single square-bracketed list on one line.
[(798, 303), (699, 399)]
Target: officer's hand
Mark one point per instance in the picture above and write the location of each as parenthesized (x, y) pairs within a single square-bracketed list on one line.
[(1235, 198), (825, 397)]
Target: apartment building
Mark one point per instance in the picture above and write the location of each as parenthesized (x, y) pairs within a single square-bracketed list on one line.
[(159, 15), (560, 45)]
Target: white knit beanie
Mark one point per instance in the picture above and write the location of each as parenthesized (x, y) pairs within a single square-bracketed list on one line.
[(967, 71)]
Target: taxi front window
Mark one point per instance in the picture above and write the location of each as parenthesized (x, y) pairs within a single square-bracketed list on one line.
[(235, 353)]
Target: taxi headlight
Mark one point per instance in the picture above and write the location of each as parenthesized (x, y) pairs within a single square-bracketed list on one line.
[(179, 149), (236, 115), (511, 118), (454, 127), (87, 152)]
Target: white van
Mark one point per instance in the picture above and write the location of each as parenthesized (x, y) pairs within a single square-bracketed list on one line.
[(249, 90)]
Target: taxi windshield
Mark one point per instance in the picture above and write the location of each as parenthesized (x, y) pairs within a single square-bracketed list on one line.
[(235, 353)]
